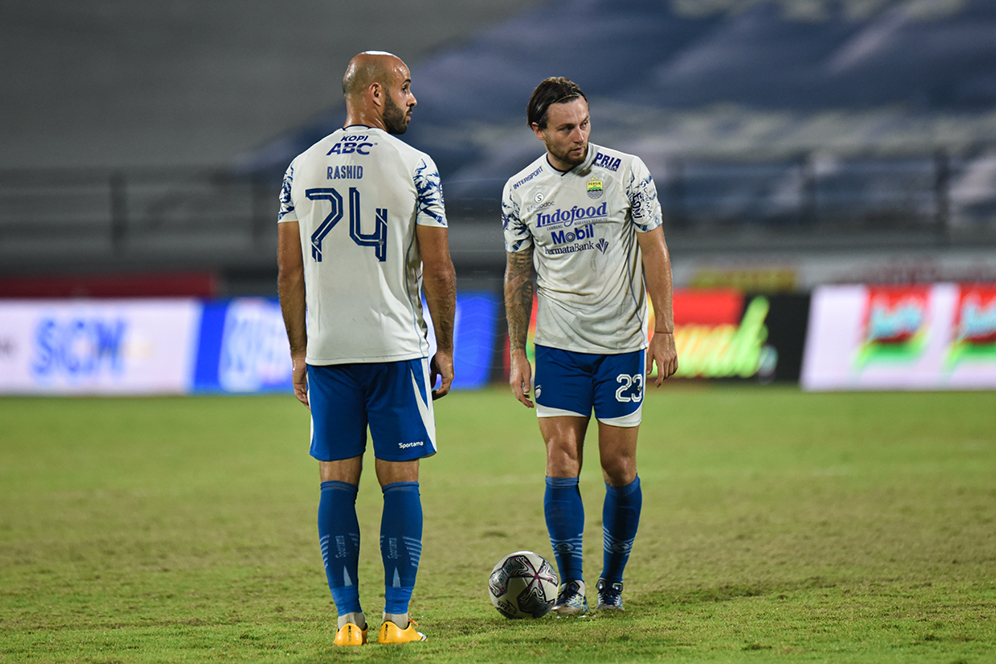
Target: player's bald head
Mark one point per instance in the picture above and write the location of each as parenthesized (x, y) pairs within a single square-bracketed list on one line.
[(370, 67)]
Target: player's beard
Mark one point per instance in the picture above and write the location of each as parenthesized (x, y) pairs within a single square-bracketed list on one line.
[(395, 117), (566, 156)]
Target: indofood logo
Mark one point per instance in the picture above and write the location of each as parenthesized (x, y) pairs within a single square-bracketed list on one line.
[(572, 215)]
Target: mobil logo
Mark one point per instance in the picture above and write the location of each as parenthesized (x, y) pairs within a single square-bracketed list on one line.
[(78, 347), (573, 235)]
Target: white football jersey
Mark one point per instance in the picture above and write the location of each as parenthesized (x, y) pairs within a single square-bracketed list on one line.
[(357, 196), (582, 225)]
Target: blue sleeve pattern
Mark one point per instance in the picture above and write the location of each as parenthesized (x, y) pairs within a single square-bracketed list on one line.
[(286, 203), (645, 209), (517, 235), (429, 192)]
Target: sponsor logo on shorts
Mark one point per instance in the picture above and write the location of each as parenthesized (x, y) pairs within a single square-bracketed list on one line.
[(405, 446)]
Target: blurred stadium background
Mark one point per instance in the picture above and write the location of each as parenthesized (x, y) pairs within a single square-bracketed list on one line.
[(797, 145)]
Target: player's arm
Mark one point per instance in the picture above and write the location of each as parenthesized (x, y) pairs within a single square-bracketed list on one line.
[(518, 309), (290, 287), (657, 272), (439, 284)]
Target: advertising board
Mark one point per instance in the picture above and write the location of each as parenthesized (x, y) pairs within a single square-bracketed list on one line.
[(97, 347), (181, 346), (921, 337), (723, 334)]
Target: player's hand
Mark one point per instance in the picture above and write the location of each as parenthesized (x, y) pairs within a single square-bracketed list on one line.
[(299, 377), (521, 377), (441, 366), (663, 352)]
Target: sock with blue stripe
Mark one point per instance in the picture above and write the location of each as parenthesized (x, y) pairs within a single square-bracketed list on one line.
[(620, 520), (400, 544), (339, 535), (565, 523)]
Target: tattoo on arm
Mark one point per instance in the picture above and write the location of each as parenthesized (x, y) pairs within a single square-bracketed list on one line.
[(519, 296)]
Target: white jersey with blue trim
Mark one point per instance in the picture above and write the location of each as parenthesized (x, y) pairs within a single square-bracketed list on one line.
[(358, 195), (582, 225)]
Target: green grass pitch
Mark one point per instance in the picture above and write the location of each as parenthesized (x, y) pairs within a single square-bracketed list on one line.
[(777, 526)]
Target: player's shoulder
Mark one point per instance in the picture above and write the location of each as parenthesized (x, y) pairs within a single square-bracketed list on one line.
[(613, 161), (528, 175), (411, 156)]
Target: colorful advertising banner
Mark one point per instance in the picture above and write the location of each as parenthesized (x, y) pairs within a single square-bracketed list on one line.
[(929, 337), (720, 333), (97, 347), (182, 346)]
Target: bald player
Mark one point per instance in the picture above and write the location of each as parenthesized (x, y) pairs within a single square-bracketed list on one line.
[(362, 233)]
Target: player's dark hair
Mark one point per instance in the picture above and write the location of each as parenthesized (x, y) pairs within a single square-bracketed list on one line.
[(554, 90)]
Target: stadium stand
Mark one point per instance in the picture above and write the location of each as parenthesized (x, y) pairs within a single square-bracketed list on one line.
[(788, 125)]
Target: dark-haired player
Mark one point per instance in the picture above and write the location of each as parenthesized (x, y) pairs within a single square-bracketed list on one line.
[(585, 222)]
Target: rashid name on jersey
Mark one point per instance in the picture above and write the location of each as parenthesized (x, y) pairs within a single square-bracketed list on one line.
[(357, 196), (582, 225)]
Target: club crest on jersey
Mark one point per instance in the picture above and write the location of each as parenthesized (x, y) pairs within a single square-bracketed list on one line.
[(594, 188)]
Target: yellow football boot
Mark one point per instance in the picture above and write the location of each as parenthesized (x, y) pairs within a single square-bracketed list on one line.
[(350, 635), (391, 633)]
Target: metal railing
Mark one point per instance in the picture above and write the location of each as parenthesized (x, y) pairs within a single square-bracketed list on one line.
[(215, 217)]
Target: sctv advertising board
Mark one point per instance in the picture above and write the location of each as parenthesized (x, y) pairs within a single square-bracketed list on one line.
[(182, 346), (920, 337)]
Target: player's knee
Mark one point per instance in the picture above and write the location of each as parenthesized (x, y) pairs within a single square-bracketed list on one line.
[(619, 471), (562, 462)]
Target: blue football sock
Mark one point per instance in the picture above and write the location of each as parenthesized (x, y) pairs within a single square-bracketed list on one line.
[(400, 543), (620, 519), (565, 523), (339, 534)]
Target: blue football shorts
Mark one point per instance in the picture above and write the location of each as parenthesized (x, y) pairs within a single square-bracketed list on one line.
[(572, 384), (393, 398)]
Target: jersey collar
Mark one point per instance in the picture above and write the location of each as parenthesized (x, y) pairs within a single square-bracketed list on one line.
[(581, 169)]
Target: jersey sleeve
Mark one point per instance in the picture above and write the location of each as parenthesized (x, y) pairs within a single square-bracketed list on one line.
[(517, 235), (430, 209), (645, 209), (287, 211)]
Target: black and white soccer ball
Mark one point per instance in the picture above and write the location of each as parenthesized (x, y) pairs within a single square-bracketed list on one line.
[(523, 585)]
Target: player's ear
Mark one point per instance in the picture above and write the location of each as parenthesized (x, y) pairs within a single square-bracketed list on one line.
[(536, 130), (376, 92)]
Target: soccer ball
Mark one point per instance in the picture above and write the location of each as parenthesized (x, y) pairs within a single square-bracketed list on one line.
[(523, 585)]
